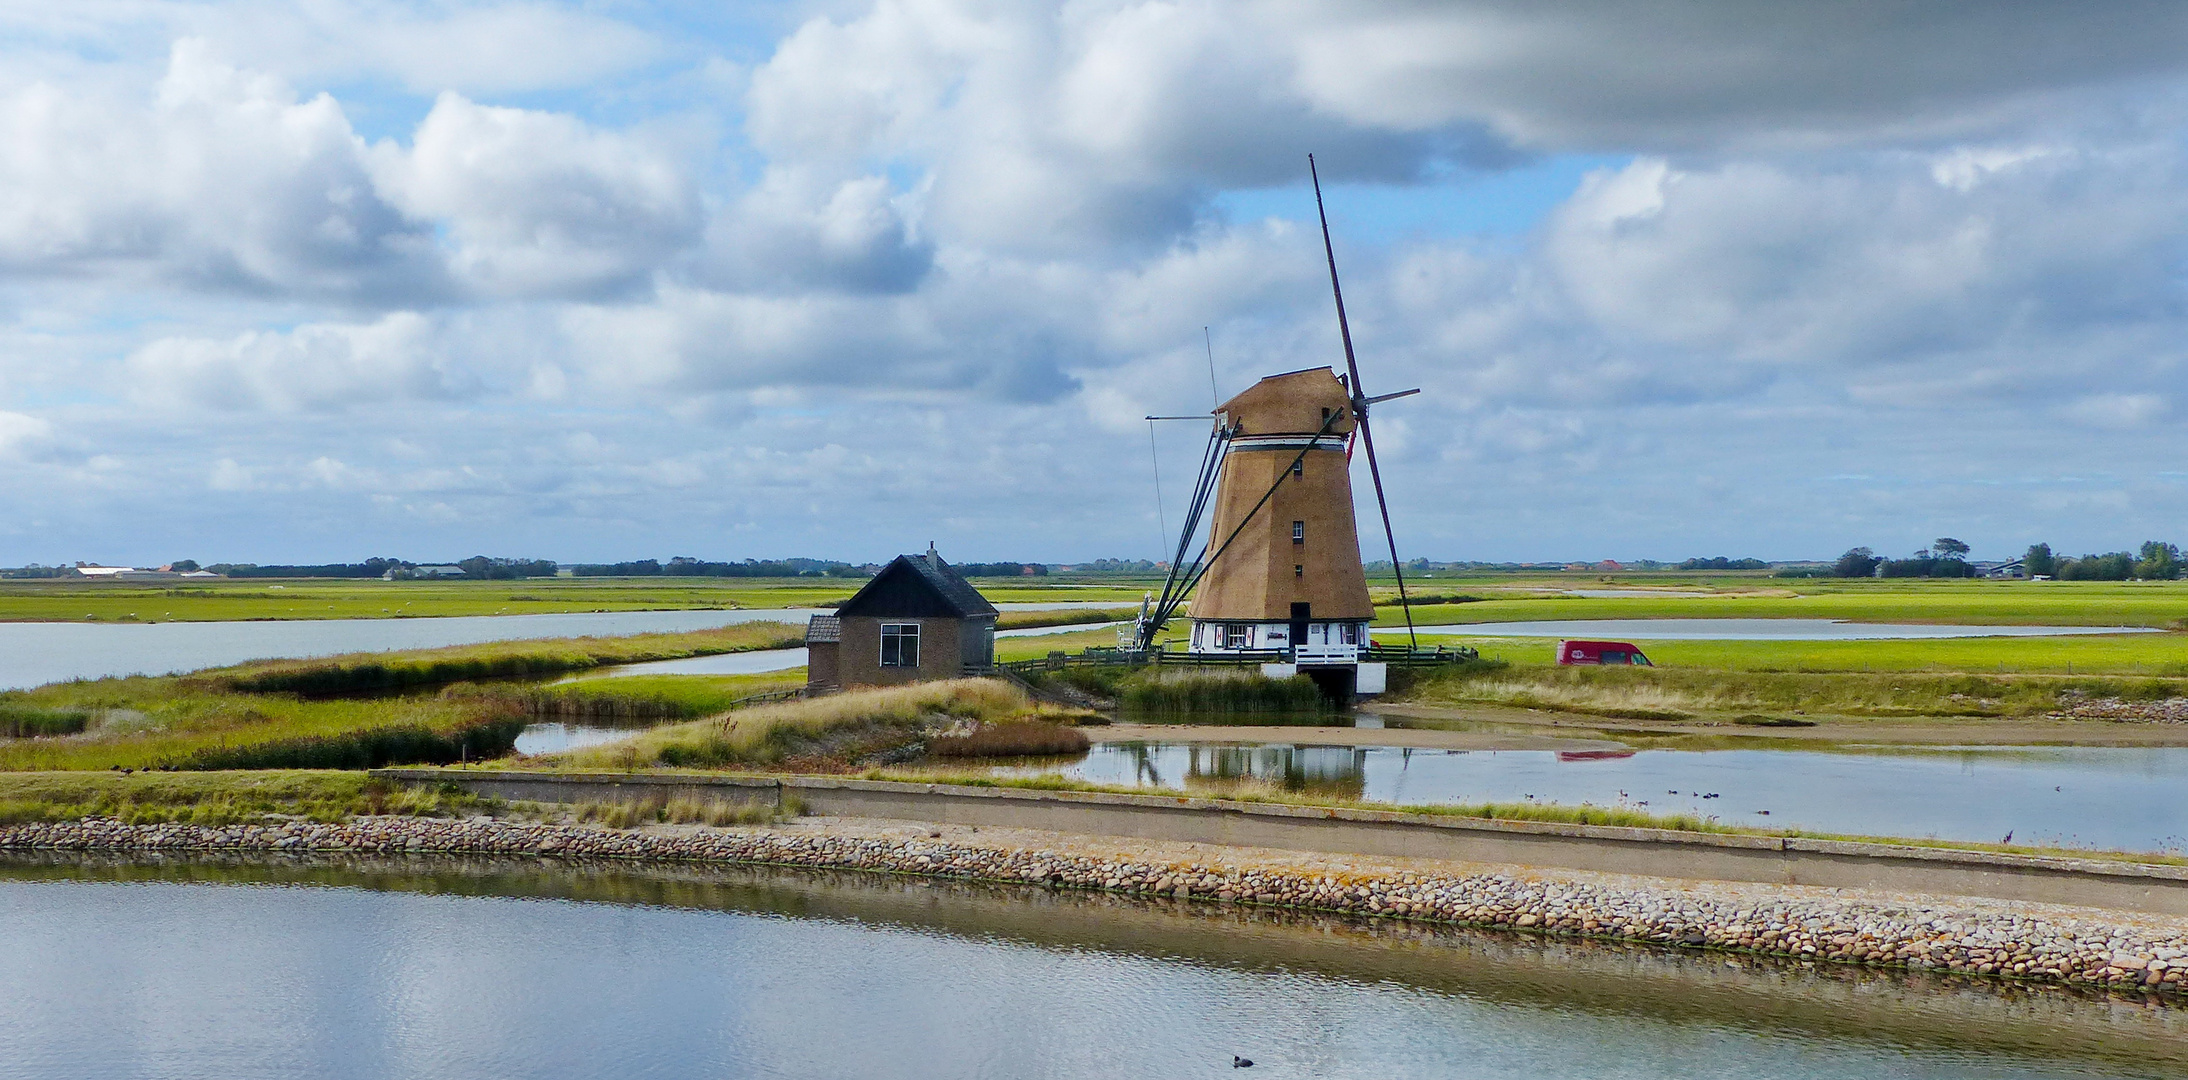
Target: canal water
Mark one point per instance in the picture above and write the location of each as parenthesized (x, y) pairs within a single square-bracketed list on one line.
[(32, 654), (459, 969), (2113, 798)]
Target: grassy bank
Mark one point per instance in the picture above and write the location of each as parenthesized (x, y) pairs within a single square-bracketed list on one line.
[(366, 673), (153, 724), (220, 798), (2102, 654), (634, 699), (821, 732), (2160, 604)]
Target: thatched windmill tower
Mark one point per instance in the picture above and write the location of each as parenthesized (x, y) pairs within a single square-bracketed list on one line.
[(1292, 576), (1280, 572)]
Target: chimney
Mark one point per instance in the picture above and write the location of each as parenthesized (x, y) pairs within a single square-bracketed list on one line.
[(933, 559)]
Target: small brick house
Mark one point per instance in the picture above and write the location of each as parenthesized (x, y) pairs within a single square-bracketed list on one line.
[(916, 620)]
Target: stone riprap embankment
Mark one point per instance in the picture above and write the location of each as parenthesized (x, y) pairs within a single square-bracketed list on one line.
[(2167, 711), (2062, 945)]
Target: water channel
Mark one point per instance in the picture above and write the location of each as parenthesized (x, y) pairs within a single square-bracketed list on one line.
[(32, 654), (2112, 798), (431, 969)]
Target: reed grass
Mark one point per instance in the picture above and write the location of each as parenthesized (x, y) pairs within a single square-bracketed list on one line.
[(153, 725), (360, 673), (1174, 692), (767, 734), (21, 721), (682, 810), (638, 700), (223, 798)]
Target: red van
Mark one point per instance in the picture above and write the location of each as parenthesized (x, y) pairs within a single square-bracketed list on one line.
[(1599, 652)]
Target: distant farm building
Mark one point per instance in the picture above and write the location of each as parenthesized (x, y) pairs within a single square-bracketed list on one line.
[(916, 620), (2013, 570)]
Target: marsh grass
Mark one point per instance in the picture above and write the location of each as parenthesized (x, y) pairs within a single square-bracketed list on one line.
[(364, 673), (152, 723), (20, 721), (858, 721), (682, 810), (1174, 692), (633, 700), (223, 798)]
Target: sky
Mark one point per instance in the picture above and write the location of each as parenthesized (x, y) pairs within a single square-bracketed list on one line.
[(326, 279)]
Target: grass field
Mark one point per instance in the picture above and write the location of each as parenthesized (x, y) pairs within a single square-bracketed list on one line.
[(2097, 654), (2161, 604), (330, 598)]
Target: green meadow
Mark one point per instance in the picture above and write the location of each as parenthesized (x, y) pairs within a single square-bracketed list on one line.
[(2160, 604), (2097, 654)]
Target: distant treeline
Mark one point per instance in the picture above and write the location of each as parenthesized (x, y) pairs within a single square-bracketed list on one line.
[(1947, 558), (1722, 563), (685, 566)]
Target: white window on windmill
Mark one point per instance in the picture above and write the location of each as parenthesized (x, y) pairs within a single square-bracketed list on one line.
[(900, 645), (1299, 570), (1238, 636), (1299, 467), (1299, 532)]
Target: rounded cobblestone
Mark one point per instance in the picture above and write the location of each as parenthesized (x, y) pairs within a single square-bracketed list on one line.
[(1915, 934)]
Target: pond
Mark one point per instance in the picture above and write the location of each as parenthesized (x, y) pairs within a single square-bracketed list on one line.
[(456, 969), (32, 654), (2114, 798), (1753, 630)]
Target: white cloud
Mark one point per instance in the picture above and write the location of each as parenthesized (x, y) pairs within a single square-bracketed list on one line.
[(1846, 276), (316, 367), (537, 203)]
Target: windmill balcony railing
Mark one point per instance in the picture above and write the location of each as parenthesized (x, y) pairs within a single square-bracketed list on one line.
[(1325, 654)]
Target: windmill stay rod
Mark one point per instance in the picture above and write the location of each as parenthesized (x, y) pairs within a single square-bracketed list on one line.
[(1211, 462), (1209, 340), (1265, 497), (1155, 458), (1210, 456)]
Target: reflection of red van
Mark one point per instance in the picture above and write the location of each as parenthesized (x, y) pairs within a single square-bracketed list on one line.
[(1599, 652)]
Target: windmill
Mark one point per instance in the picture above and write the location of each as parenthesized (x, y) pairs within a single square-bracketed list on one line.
[(1280, 570)]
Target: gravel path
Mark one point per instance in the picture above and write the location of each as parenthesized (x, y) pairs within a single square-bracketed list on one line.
[(2040, 943)]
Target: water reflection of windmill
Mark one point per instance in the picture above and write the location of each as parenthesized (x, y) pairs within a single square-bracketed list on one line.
[(1339, 771), (1279, 573)]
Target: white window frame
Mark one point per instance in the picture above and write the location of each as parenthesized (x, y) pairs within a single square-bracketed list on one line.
[(897, 634), (1238, 635)]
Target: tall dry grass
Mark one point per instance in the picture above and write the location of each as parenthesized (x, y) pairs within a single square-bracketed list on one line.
[(768, 733), (1202, 691)]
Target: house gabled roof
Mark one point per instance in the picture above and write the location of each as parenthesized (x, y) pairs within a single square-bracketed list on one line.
[(917, 586)]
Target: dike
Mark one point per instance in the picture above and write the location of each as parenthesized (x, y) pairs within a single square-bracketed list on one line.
[(2000, 941)]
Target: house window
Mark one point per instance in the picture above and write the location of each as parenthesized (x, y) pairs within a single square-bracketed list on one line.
[(1299, 571), (1299, 532), (1238, 636), (900, 644), (1352, 633), (1299, 467)]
